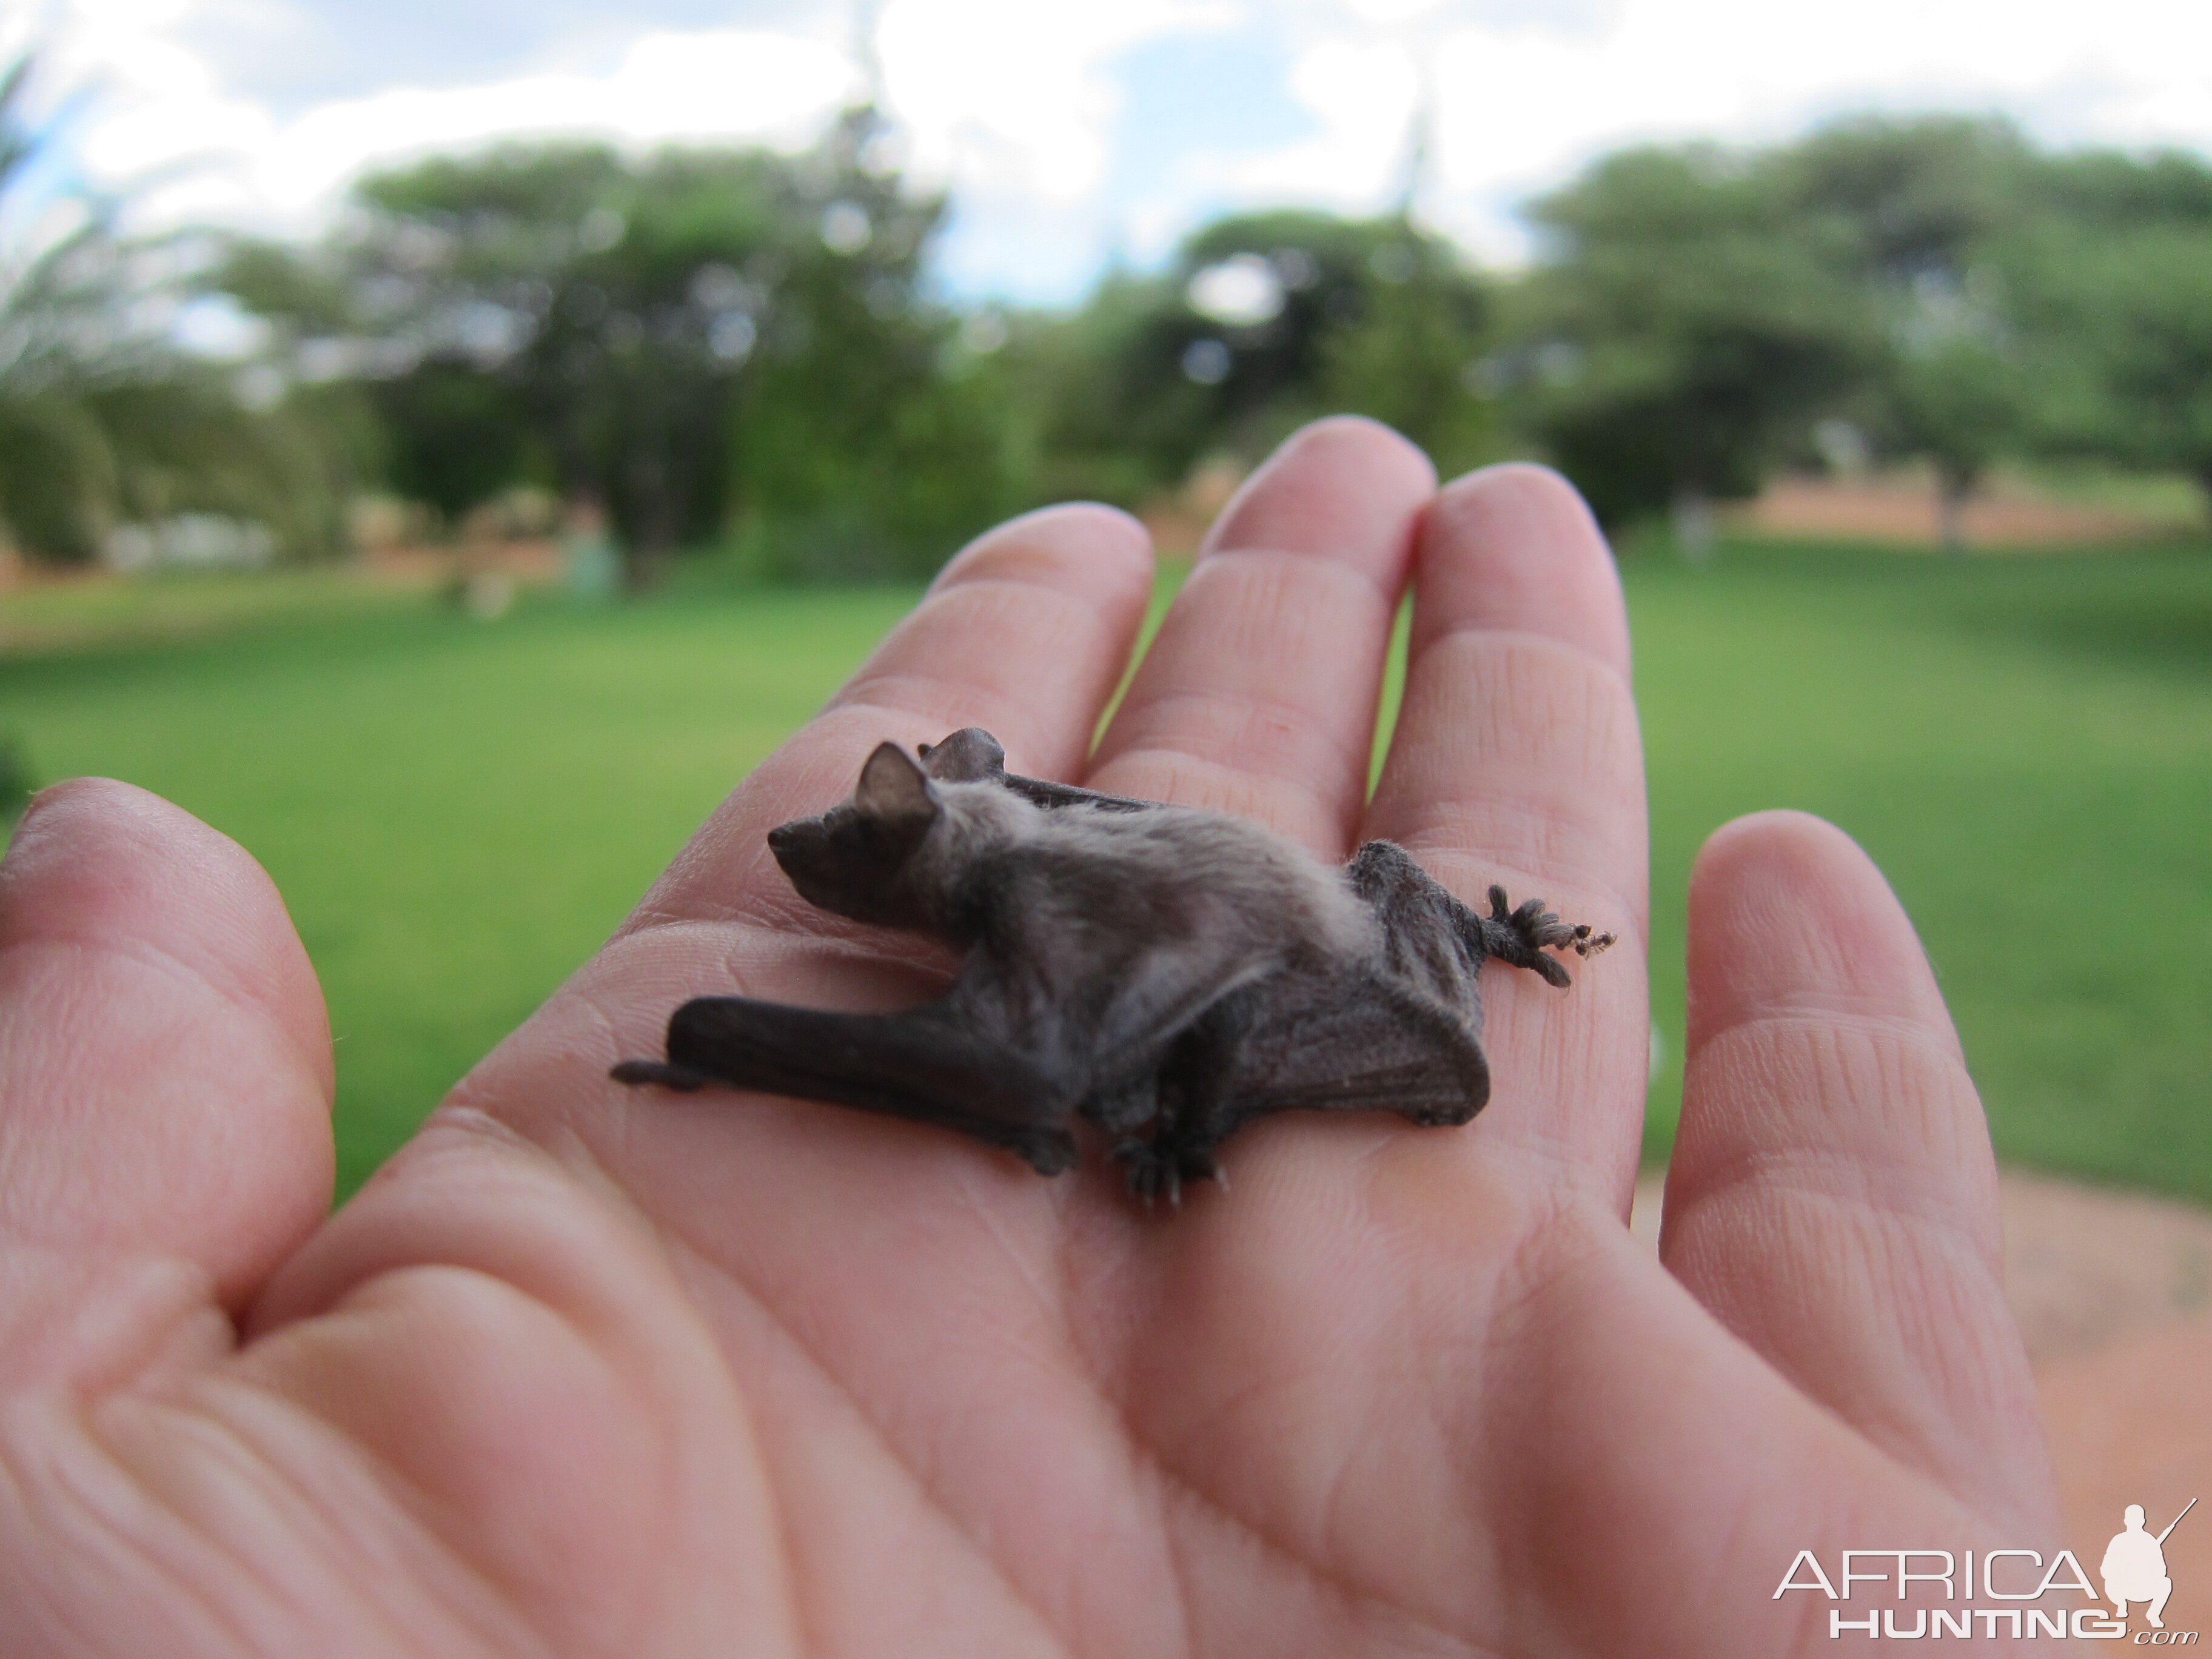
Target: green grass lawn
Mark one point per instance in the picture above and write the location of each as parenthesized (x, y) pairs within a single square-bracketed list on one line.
[(458, 812), (2025, 746)]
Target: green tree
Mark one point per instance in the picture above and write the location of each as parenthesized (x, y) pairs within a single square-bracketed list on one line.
[(556, 306), (868, 441), (1676, 340), (2113, 288), (1411, 353), (1919, 214), (698, 338), (1961, 401), (103, 420), (1259, 323), (452, 436)]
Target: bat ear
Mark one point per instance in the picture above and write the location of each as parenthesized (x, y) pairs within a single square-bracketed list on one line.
[(971, 754), (893, 789)]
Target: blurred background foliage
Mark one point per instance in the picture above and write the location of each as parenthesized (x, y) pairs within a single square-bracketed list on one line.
[(742, 351), (106, 420)]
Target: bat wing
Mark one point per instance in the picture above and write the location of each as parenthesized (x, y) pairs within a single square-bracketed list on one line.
[(926, 1064), (1353, 1041), (1350, 1041), (1043, 792)]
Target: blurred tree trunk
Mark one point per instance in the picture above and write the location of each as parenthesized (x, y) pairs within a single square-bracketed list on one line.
[(1955, 489), (1693, 523)]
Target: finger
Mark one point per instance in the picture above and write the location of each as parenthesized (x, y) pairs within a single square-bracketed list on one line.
[(165, 1060), (1025, 633), (1832, 1197), (1259, 693), (1516, 761)]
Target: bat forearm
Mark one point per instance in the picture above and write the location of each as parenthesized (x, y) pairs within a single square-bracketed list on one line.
[(918, 1065)]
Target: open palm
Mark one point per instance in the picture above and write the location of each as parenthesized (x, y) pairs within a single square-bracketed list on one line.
[(591, 1370)]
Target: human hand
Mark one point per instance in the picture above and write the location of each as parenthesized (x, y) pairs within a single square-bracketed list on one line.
[(592, 1371)]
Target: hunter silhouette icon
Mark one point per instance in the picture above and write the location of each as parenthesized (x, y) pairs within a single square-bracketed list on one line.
[(2133, 1568)]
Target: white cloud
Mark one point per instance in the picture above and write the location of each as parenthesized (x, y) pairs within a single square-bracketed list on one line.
[(998, 99), (703, 85), (1010, 93), (1386, 12), (1520, 111), (1014, 104), (721, 84), (1363, 93)]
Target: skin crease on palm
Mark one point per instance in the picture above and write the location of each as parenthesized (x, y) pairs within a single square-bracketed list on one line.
[(591, 1370)]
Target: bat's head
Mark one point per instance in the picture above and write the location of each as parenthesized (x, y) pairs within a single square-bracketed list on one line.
[(855, 860)]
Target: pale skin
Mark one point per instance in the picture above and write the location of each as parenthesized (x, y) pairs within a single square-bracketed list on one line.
[(591, 1370)]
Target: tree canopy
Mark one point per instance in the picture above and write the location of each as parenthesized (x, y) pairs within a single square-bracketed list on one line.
[(1955, 293), (1260, 322), (104, 420), (745, 347), (693, 340)]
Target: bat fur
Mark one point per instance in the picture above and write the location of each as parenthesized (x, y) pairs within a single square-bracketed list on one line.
[(1164, 973)]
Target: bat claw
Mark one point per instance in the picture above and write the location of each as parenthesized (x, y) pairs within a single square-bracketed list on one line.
[(1536, 929), (1155, 1171)]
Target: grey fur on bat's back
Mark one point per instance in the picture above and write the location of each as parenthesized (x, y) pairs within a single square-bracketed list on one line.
[(1140, 965)]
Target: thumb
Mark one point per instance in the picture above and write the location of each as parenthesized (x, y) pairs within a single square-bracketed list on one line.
[(1832, 1199), (165, 1066)]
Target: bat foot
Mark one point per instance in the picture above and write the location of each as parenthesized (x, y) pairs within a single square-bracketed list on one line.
[(1153, 1171), (1530, 929), (1050, 1153), (680, 1077)]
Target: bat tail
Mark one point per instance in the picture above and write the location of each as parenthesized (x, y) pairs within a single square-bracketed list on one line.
[(681, 1077)]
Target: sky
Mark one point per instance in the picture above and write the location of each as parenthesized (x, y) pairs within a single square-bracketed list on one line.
[(1072, 133)]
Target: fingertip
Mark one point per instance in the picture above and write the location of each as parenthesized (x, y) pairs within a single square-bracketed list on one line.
[(1514, 548), (101, 797), (98, 856), (109, 805), (1072, 541), (1789, 917), (1343, 486), (1832, 1197), (1025, 632), (1516, 735), (1258, 692), (96, 860), (168, 1073)]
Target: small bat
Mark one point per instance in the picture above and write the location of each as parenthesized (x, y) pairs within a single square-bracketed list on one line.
[(1163, 972)]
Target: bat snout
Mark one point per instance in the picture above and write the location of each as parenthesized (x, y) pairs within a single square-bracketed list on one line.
[(800, 847)]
